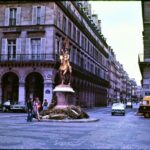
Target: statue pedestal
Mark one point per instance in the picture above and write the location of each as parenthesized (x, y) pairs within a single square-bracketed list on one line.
[(64, 108), (63, 92)]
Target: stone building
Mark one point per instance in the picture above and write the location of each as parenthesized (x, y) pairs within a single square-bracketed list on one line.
[(144, 59), (120, 83), (31, 36)]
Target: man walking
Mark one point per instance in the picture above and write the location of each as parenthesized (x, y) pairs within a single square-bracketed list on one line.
[(29, 109)]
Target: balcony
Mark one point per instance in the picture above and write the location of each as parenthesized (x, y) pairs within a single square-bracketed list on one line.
[(28, 59), (143, 60)]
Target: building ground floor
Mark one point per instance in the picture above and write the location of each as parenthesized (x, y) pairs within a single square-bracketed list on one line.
[(18, 84)]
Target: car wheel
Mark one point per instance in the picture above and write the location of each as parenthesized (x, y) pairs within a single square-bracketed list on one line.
[(146, 115), (123, 114), (112, 113)]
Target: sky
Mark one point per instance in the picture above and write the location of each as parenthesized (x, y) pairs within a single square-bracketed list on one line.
[(121, 25)]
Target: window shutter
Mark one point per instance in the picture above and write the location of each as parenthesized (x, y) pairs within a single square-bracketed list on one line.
[(18, 18), (43, 42), (42, 19), (34, 15), (18, 48), (28, 48), (7, 14), (4, 49)]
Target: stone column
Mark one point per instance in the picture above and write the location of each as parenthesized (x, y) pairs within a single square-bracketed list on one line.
[(21, 97), (48, 88)]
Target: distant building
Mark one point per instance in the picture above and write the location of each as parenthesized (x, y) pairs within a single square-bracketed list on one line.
[(120, 84), (139, 93)]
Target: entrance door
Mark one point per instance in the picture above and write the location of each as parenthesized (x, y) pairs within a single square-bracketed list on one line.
[(34, 86), (10, 84)]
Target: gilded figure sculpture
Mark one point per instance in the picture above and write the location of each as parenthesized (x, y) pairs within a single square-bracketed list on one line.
[(65, 68)]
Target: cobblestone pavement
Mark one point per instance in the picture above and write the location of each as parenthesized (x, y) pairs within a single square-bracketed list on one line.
[(110, 132)]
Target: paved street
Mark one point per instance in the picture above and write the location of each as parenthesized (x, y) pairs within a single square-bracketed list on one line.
[(110, 132)]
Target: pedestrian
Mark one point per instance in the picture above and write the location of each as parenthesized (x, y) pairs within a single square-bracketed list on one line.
[(29, 109), (45, 104), (36, 108)]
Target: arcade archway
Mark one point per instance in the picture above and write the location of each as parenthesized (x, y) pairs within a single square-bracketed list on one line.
[(34, 86), (10, 83)]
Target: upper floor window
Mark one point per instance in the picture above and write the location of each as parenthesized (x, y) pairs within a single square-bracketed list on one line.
[(69, 28), (64, 24), (78, 37), (74, 33), (35, 47), (11, 48), (58, 19), (82, 41), (12, 16), (57, 44), (38, 15)]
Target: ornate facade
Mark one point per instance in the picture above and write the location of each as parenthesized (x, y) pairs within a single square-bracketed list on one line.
[(31, 37)]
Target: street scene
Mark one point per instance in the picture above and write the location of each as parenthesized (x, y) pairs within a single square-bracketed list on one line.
[(74, 75), (110, 132)]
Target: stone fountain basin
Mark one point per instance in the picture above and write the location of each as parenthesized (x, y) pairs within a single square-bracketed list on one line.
[(70, 120)]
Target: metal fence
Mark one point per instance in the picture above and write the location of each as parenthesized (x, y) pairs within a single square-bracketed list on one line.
[(28, 57)]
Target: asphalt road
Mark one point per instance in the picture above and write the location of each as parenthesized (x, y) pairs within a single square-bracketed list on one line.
[(110, 132)]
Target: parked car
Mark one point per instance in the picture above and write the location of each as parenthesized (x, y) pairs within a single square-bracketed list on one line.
[(129, 105), (6, 106), (19, 107), (118, 108)]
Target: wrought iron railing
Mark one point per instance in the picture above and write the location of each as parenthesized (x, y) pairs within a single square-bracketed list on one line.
[(28, 57)]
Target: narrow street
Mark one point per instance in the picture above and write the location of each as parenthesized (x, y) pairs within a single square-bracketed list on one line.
[(110, 132)]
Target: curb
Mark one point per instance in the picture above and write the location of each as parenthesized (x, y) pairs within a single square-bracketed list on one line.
[(70, 121)]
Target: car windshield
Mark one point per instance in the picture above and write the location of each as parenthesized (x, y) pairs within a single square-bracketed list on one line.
[(128, 102), (118, 105)]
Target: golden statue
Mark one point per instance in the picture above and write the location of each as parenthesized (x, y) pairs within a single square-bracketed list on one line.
[(65, 69)]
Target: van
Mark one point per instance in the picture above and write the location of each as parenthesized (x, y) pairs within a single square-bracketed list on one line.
[(144, 107)]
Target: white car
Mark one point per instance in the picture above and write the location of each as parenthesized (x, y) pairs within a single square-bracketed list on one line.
[(21, 107), (118, 108)]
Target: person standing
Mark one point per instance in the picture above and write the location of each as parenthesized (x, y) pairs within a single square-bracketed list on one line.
[(29, 109), (45, 104), (36, 107)]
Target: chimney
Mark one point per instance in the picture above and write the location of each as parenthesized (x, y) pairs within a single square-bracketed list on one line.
[(95, 19), (99, 25), (89, 10)]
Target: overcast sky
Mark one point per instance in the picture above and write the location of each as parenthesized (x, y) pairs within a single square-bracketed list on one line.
[(122, 27)]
